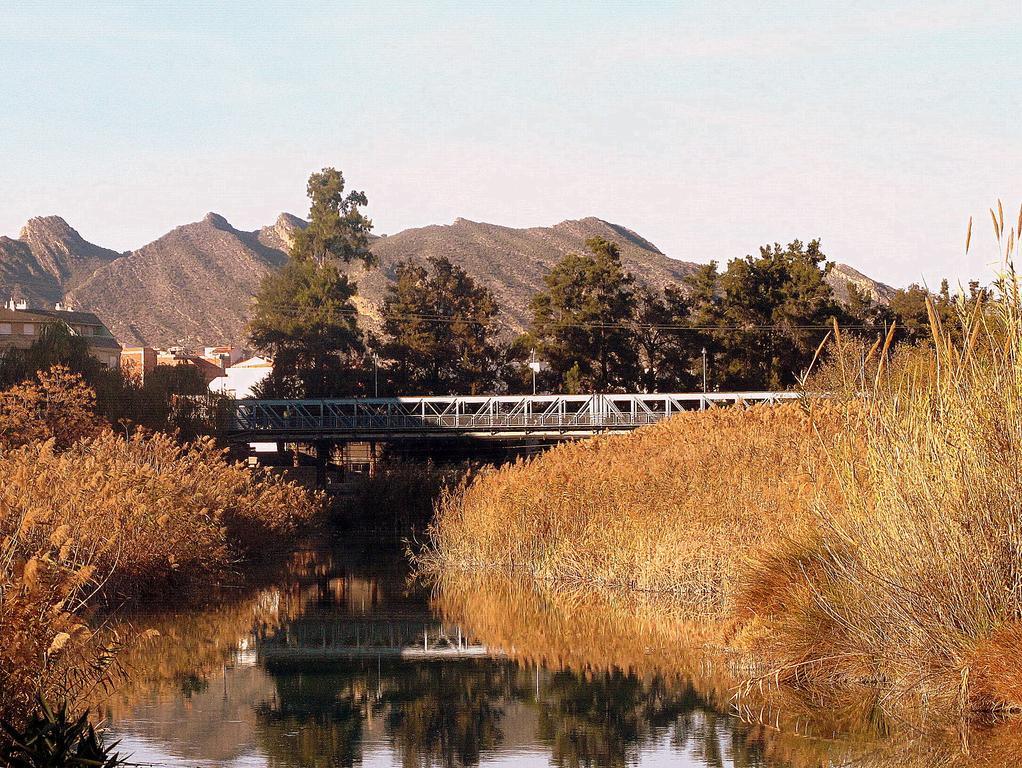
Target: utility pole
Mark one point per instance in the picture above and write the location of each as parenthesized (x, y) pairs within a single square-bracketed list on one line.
[(704, 370)]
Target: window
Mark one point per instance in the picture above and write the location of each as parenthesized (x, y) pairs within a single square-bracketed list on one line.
[(5, 329), (28, 329)]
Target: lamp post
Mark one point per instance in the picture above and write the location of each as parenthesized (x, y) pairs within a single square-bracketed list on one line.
[(704, 370), (534, 365), (376, 375)]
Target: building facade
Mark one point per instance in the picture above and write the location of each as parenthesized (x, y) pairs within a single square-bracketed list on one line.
[(239, 381), (21, 326), (138, 361)]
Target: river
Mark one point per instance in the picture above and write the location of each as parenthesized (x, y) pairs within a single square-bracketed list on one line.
[(341, 659)]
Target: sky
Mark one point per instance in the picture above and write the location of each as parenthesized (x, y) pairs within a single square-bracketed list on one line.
[(710, 128)]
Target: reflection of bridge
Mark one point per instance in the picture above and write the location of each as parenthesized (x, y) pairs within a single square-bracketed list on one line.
[(338, 637), (547, 416)]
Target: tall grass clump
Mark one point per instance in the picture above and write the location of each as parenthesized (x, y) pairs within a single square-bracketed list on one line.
[(676, 507), (913, 580), (867, 540), (89, 518)]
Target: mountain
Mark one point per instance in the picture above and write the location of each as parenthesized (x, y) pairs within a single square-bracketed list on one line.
[(48, 259), (62, 252), (512, 262), (194, 285), (842, 275)]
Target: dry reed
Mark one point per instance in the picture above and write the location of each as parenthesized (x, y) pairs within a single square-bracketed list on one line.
[(862, 544), (676, 507), (913, 583), (87, 516)]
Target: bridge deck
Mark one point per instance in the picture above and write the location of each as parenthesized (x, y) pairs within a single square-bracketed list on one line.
[(475, 416)]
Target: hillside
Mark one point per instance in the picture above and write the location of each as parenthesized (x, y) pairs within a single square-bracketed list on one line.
[(194, 285), (512, 262), (190, 287), (842, 275), (48, 259)]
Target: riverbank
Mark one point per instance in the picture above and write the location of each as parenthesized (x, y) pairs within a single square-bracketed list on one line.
[(675, 508), (844, 546), (91, 519)]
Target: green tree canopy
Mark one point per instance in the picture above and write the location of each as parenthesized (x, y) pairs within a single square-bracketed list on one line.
[(305, 320), (583, 318), (304, 316), (337, 230), (868, 316), (667, 344), (57, 344), (909, 308), (775, 309), (440, 328)]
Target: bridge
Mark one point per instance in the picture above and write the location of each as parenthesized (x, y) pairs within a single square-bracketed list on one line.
[(334, 638), (501, 417)]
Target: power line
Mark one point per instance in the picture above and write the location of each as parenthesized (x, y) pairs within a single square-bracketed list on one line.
[(293, 311)]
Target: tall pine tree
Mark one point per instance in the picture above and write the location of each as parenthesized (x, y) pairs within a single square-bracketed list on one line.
[(582, 320), (304, 317), (440, 328)]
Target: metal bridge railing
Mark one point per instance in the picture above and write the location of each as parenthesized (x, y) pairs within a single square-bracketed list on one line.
[(473, 414)]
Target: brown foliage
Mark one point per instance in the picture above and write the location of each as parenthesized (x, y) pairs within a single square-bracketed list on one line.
[(678, 507), (870, 543), (59, 407), (88, 515)]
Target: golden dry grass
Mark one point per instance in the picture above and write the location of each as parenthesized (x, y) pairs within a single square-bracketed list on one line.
[(676, 507), (862, 544), (104, 518), (914, 579)]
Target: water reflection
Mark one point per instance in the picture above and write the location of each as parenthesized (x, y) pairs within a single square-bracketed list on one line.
[(342, 661)]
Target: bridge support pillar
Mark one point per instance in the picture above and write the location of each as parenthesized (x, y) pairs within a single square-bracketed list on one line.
[(322, 460)]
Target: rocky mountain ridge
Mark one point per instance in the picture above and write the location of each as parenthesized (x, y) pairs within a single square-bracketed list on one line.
[(194, 285)]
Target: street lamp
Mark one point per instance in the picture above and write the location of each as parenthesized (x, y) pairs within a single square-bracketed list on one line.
[(376, 375), (704, 370), (534, 365)]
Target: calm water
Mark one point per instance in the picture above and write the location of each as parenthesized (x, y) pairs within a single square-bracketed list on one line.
[(341, 661)]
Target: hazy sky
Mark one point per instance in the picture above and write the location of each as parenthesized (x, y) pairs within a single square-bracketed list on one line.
[(709, 128)]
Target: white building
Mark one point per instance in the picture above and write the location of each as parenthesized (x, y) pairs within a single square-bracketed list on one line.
[(241, 378)]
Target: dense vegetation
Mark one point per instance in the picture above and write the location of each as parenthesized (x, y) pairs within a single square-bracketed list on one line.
[(754, 325), (439, 328), (170, 399), (850, 543), (90, 518), (304, 316), (656, 510)]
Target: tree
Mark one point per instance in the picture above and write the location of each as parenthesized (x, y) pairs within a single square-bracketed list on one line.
[(305, 320), (584, 318), (775, 311), (705, 315), (667, 346), (872, 317), (514, 372), (58, 405), (440, 327), (304, 316), (57, 345), (337, 230), (909, 308)]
